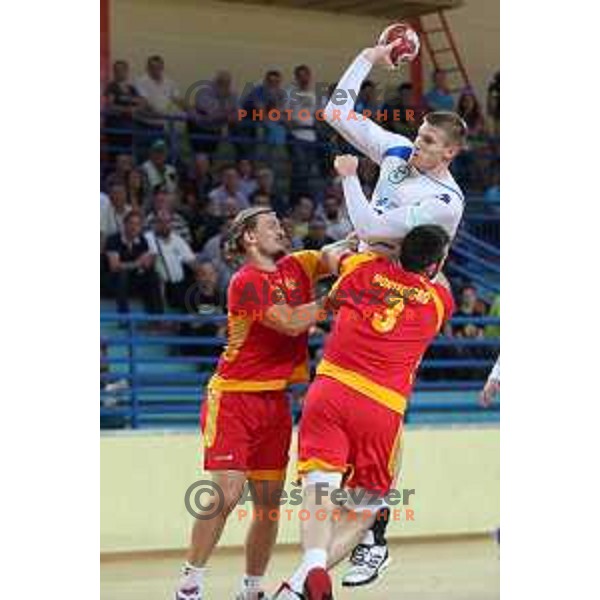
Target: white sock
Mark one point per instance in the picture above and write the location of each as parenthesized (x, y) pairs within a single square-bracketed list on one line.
[(251, 583), (313, 558), (191, 576), (368, 538)]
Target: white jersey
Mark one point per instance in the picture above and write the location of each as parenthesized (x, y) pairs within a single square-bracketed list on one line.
[(404, 196)]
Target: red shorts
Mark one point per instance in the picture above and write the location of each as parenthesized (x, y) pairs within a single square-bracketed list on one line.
[(247, 431), (343, 430)]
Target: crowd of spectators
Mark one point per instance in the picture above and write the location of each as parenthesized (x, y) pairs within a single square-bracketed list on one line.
[(168, 195)]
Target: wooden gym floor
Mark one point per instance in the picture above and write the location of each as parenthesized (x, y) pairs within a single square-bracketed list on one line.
[(431, 570)]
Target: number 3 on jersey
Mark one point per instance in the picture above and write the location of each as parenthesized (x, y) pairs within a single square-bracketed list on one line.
[(386, 321)]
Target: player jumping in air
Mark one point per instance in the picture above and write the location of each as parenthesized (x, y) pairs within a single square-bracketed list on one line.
[(350, 434), (415, 187), (246, 418)]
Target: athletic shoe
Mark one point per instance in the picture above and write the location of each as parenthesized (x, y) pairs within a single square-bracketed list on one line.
[(318, 585), (192, 593), (368, 562)]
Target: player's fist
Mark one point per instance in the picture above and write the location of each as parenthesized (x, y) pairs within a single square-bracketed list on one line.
[(382, 54), (346, 165)]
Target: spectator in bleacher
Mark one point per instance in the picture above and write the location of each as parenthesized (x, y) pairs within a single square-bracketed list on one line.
[(131, 267), (304, 150), (265, 180), (124, 164), (292, 242), (160, 175), (317, 236), (215, 110), (338, 225), (229, 189), (439, 97), (467, 307), (267, 96), (122, 100), (201, 176), (174, 260), (402, 101), (162, 97), (113, 213), (469, 165), (248, 184), (212, 248), (468, 108), (493, 105), (367, 98), (302, 213), (137, 190), (165, 201)]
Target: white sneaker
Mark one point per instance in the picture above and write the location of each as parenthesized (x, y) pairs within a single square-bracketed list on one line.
[(368, 562)]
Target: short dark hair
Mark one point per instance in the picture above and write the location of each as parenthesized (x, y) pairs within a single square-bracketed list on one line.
[(422, 247), (155, 58), (131, 215), (300, 68), (273, 73)]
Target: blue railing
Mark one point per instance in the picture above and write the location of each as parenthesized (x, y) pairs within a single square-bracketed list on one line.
[(148, 379)]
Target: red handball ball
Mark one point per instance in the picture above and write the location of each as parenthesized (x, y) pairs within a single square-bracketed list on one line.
[(408, 50)]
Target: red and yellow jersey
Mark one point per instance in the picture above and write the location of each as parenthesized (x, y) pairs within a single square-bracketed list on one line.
[(258, 358), (386, 318)]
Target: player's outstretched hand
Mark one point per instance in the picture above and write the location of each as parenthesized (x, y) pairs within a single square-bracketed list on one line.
[(346, 165), (490, 389), (381, 55)]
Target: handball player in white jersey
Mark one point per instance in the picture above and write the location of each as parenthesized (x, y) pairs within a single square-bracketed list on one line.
[(415, 187)]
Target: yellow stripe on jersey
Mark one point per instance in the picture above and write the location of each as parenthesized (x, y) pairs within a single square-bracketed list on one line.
[(310, 261), (439, 305), (385, 396), (267, 475), (246, 385), (301, 373), (213, 401), (238, 329)]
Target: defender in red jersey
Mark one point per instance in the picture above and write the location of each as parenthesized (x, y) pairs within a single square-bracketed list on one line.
[(246, 419), (387, 314)]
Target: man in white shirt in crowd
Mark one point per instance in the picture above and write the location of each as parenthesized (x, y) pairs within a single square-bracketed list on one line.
[(113, 211), (163, 200), (172, 254), (303, 101), (160, 175), (161, 97)]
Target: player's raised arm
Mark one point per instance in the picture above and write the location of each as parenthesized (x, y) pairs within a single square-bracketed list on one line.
[(360, 131)]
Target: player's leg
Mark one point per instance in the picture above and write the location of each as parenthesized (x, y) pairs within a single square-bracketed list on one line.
[(207, 532), (268, 461), (370, 557), (323, 452), (226, 446)]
